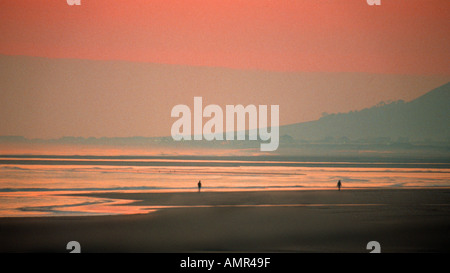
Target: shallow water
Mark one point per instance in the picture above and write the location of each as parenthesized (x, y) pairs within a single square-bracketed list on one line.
[(35, 186)]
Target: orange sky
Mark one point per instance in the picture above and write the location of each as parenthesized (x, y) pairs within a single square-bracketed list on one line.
[(400, 36), (308, 56)]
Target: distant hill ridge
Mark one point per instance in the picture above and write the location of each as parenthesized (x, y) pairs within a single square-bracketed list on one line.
[(423, 119)]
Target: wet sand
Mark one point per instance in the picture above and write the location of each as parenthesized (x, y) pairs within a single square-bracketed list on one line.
[(401, 220)]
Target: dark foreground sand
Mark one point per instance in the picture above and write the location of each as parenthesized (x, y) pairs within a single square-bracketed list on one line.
[(412, 220)]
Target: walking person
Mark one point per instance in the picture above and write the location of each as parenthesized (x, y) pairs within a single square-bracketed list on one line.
[(199, 185), (339, 184)]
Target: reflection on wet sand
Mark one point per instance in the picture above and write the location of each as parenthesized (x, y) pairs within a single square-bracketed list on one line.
[(47, 186)]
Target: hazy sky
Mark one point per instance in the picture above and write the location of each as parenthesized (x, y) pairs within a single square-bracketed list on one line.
[(341, 55), (400, 36)]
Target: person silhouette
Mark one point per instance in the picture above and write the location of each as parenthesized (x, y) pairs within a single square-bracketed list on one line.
[(339, 184), (199, 185)]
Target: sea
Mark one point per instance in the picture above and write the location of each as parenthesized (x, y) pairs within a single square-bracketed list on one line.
[(56, 185)]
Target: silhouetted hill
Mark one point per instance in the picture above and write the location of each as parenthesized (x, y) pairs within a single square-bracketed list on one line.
[(425, 119), (418, 129)]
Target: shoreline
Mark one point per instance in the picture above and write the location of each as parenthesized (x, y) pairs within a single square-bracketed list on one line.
[(402, 220), (126, 202), (277, 197)]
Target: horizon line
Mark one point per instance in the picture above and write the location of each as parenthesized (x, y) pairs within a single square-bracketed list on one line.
[(249, 69)]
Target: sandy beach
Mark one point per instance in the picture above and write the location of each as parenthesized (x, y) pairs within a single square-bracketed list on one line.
[(401, 220)]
